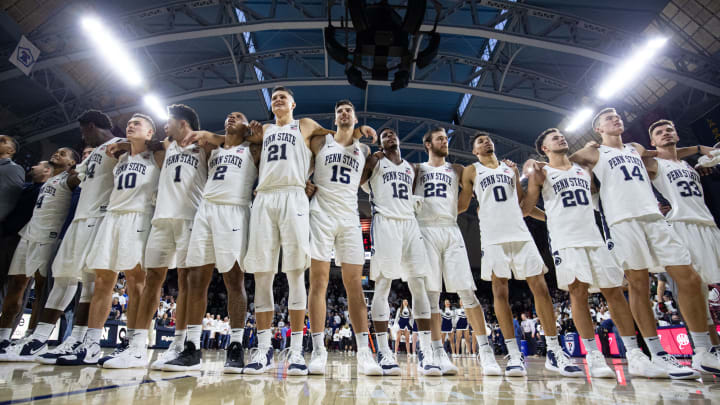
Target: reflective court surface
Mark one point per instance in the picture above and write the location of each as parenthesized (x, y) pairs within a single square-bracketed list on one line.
[(37, 383)]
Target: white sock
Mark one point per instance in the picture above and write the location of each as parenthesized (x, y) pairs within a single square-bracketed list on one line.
[(362, 339), (630, 342), (590, 344), (296, 340), (424, 339), (318, 340), (237, 335), (78, 332), (140, 338), (93, 335), (179, 338), (701, 340), (193, 335), (5, 334), (436, 344), (43, 331), (382, 341), (482, 340), (654, 345), (263, 338), (29, 332), (552, 343), (512, 347)]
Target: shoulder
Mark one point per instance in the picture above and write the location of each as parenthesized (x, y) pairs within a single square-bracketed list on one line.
[(364, 149)]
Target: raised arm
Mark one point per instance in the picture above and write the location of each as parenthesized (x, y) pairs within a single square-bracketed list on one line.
[(466, 191), (370, 164), (694, 150), (204, 138)]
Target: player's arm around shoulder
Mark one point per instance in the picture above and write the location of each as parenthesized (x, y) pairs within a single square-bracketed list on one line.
[(370, 164), (257, 131), (466, 188), (535, 183), (255, 150), (587, 157)]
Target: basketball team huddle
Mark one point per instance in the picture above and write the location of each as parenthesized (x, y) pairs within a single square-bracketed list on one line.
[(199, 201)]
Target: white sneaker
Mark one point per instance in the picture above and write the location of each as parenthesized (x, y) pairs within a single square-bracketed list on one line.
[(366, 364), (11, 353), (85, 354), (295, 360), (172, 353), (426, 364), (488, 362), (706, 361), (133, 357), (441, 359), (560, 362), (318, 359), (675, 370), (515, 366), (261, 360), (386, 360), (639, 365), (597, 365), (66, 347)]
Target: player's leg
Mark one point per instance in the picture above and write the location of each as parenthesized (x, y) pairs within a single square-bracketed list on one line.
[(421, 314), (18, 280), (40, 298), (380, 313), (476, 317), (317, 309), (237, 309), (297, 304), (584, 324), (99, 310)]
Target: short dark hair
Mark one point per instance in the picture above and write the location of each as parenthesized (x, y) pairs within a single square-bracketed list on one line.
[(540, 139), (660, 123), (428, 135), (186, 113), (596, 118), (96, 117), (14, 141), (148, 119), (282, 88), (380, 132), (344, 102), (75, 155), (477, 135)]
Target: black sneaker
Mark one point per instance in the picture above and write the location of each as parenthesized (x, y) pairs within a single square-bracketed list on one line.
[(190, 359), (234, 359), (124, 345)]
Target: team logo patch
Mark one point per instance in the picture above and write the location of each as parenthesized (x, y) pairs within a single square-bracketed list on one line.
[(407, 170), (558, 260), (293, 127), (356, 151), (240, 149), (610, 245), (506, 170), (569, 345)]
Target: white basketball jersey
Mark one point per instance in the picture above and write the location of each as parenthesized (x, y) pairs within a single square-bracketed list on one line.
[(569, 209), (97, 184), (391, 189), (231, 176), (51, 209), (680, 184), (285, 158), (625, 190), (438, 186), (182, 181), (136, 184), (501, 219), (447, 313), (337, 176)]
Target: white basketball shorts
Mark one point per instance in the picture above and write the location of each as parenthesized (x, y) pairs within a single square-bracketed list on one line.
[(219, 236), (445, 250), (120, 242), (71, 258), (511, 259), (167, 245), (343, 234), (398, 249), (30, 257), (646, 243)]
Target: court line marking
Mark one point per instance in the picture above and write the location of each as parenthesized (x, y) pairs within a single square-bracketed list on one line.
[(76, 392)]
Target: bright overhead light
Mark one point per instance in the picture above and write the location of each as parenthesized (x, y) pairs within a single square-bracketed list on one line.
[(578, 119), (112, 50), (157, 108), (630, 68)]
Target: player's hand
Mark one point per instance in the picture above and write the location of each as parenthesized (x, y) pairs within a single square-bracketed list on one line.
[(537, 172), (114, 150), (379, 155), (592, 144), (708, 151), (369, 132), (704, 171), (510, 164), (310, 188), (71, 170), (256, 128)]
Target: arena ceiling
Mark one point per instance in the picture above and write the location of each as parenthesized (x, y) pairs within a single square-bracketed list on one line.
[(511, 68)]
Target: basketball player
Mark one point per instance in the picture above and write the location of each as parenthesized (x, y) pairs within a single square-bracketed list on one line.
[(642, 239), (508, 250), (219, 239), (398, 250), (335, 224), (690, 217), (281, 203), (69, 265), (120, 244), (581, 258), (34, 253), (437, 182)]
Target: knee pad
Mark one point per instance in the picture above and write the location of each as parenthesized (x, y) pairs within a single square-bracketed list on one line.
[(420, 302), (468, 298), (434, 298), (380, 310), (264, 300), (62, 293), (88, 287), (297, 296)]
